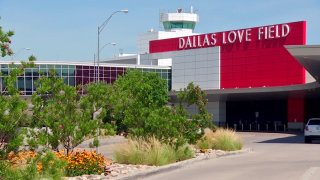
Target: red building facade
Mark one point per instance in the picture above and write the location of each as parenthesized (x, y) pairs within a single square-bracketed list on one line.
[(252, 58)]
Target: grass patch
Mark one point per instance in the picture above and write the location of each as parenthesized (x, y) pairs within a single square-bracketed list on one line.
[(222, 139), (227, 140), (150, 152)]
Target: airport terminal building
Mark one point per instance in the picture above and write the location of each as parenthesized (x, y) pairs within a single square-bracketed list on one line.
[(259, 78)]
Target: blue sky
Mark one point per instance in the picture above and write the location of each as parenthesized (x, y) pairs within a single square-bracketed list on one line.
[(67, 29)]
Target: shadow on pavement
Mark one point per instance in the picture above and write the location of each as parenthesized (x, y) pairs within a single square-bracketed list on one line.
[(295, 139)]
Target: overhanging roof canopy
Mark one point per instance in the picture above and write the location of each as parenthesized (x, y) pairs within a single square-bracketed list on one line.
[(264, 93), (308, 56)]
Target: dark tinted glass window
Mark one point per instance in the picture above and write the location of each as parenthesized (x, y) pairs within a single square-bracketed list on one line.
[(314, 122)]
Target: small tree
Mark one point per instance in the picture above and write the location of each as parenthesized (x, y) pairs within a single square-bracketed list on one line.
[(5, 42), (97, 102), (193, 95), (135, 95), (12, 109), (57, 107), (140, 102)]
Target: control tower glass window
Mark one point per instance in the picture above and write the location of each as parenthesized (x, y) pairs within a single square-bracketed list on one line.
[(179, 25)]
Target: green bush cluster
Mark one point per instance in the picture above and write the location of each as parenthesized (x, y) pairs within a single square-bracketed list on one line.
[(140, 105), (43, 166), (150, 152)]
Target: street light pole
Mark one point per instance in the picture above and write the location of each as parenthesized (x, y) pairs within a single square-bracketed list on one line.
[(94, 60), (16, 54), (113, 44), (100, 28)]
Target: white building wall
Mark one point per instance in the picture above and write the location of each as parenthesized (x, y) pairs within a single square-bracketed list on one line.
[(145, 38), (143, 41), (200, 66)]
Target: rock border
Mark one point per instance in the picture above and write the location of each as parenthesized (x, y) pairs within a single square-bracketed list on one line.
[(147, 171), (170, 167)]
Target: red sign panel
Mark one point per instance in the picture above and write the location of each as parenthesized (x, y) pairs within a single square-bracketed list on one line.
[(252, 57)]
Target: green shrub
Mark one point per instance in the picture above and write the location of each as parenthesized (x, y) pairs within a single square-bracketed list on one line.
[(10, 173), (183, 153), (150, 152), (227, 140), (40, 167), (83, 162), (51, 166), (140, 105)]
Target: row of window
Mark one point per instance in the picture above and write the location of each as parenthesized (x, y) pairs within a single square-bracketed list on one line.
[(179, 25), (72, 75)]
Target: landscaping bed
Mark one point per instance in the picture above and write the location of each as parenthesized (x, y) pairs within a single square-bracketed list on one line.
[(128, 171), (160, 157)]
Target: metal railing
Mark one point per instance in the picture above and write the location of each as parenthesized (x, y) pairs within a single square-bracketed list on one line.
[(276, 126)]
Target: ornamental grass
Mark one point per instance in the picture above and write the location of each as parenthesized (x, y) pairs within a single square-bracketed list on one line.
[(221, 139), (227, 140), (150, 151)]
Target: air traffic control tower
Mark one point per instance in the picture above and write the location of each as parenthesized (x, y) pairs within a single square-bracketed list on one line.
[(176, 24), (179, 21)]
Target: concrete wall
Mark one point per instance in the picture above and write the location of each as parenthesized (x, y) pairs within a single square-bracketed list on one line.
[(217, 109), (200, 66)]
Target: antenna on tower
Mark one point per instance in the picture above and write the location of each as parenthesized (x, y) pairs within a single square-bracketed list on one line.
[(191, 9), (161, 12)]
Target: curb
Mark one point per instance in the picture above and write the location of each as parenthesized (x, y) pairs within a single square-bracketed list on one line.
[(181, 164)]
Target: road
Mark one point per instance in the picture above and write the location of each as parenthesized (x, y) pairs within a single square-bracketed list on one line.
[(275, 156)]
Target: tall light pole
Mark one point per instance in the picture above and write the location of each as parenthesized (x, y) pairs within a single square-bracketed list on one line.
[(94, 59), (15, 54), (100, 28), (113, 44)]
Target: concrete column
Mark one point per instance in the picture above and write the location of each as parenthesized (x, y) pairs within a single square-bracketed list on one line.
[(218, 110)]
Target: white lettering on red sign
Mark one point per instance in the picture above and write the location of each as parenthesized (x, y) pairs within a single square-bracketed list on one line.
[(230, 37), (272, 32), (197, 41)]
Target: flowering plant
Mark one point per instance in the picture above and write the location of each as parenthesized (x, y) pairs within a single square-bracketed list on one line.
[(83, 162), (77, 163)]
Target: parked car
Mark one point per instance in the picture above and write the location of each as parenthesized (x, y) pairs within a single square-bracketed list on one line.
[(312, 130)]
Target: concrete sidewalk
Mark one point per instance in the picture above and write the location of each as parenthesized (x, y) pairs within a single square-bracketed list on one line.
[(107, 145)]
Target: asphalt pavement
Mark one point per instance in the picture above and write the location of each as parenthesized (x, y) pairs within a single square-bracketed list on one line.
[(275, 156)]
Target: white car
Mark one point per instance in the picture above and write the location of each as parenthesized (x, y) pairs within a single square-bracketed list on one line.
[(312, 130)]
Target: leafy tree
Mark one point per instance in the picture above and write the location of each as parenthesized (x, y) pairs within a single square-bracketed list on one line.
[(5, 42), (140, 103), (57, 107), (97, 101), (135, 94)]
